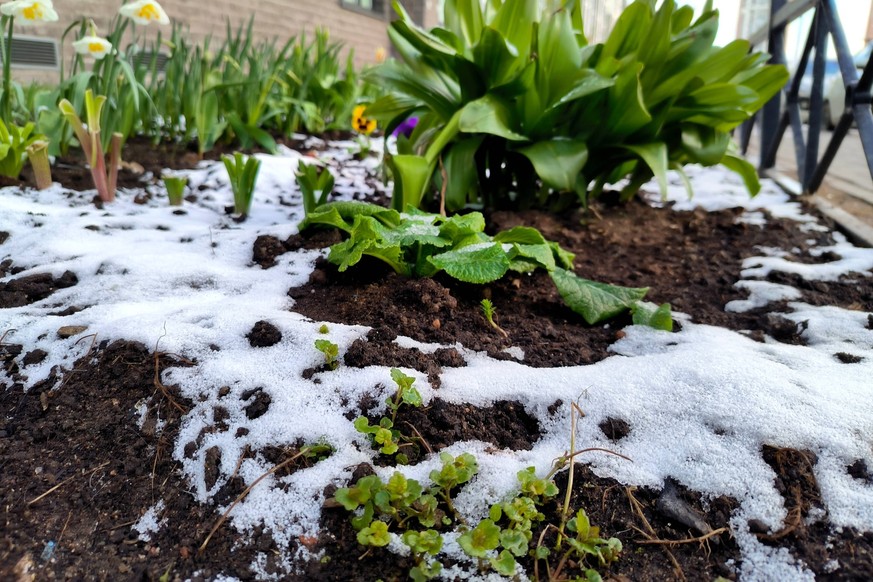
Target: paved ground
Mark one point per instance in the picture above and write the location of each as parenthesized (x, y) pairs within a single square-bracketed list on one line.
[(848, 187)]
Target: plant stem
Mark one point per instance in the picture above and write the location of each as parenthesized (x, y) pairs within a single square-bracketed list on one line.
[(114, 162), (6, 102), (565, 510)]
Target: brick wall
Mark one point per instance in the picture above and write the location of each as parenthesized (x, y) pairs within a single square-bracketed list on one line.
[(279, 19)]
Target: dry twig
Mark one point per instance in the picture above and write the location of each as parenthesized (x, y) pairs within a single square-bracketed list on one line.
[(637, 508), (245, 492)]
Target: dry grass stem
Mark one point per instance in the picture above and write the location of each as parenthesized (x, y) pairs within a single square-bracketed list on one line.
[(245, 492), (64, 482)]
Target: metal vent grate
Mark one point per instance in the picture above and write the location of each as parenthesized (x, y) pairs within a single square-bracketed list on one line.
[(144, 59), (33, 52)]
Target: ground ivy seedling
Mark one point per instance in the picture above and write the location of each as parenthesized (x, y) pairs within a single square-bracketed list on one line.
[(419, 516), (330, 351), (384, 433)]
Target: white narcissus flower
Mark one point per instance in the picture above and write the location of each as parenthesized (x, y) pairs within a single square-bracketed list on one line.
[(145, 12), (30, 11), (95, 46)]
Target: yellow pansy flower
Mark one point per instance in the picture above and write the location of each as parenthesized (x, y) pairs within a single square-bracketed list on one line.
[(30, 11), (360, 123), (95, 46), (145, 12)]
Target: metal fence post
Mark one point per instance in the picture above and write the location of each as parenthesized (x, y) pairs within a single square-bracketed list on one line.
[(771, 111)]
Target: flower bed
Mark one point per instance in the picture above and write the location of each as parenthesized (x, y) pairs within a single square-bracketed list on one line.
[(160, 360)]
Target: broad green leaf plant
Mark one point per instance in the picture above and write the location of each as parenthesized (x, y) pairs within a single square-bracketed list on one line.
[(420, 244), (548, 118)]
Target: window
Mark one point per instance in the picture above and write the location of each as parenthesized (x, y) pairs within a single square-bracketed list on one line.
[(372, 7)]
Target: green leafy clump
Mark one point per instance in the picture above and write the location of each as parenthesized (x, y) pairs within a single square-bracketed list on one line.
[(420, 244), (419, 516), (175, 185), (14, 141), (242, 172), (549, 118), (316, 185), (330, 351), (384, 433)]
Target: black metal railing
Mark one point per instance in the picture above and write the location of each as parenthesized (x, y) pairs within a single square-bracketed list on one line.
[(774, 120)]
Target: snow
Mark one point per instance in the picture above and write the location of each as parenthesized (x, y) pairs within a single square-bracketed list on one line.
[(700, 403)]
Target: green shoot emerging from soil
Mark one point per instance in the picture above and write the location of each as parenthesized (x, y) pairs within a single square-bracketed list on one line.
[(420, 244), (243, 173), (488, 311), (175, 186), (330, 351), (421, 515), (384, 434)]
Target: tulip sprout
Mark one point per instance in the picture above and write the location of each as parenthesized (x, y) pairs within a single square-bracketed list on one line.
[(37, 152), (175, 186), (243, 173)]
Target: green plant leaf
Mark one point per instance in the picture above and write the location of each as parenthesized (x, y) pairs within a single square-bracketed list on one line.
[(474, 264), (514, 541), (376, 534), (655, 157), (745, 170), (658, 317), (478, 541), (514, 20), (558, 162), (489, 115), (411, 178), (520, 234), (504, 563), (460, 169), (595, 301)]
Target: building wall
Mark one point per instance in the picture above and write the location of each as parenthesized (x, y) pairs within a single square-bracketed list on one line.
[(599, 16), (360, 31)]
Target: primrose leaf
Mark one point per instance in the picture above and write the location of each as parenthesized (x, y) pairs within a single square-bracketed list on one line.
[(411, 231), (522, 235), (474, 264), (348, 253), (592, 300), (658, 317), (342, 214), (563, 258), (461, 226), (540, 254)]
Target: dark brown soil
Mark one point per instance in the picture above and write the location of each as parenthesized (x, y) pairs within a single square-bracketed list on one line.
[(76, 470)]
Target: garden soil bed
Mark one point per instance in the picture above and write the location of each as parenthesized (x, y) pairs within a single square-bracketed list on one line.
[(77, 472)]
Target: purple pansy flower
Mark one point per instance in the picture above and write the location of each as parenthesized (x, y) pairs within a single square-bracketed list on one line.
[(406, 127)]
